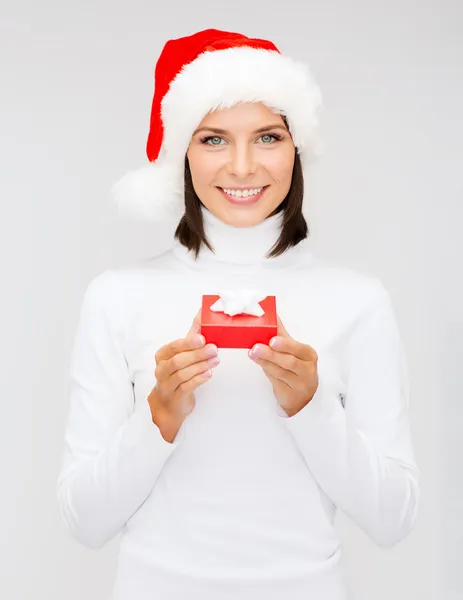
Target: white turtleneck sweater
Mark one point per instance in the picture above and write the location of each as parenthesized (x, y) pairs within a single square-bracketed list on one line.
[(242, 503)]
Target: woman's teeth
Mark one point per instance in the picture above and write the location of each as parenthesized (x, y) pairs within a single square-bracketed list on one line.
[(243, 193)]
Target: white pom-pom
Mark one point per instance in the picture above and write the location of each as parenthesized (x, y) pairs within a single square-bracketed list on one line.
[(154, 192)]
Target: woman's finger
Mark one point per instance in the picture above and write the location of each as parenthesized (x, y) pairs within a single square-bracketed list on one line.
[(284, 360), (289, 346), (187, 387), (182, 376), (182, 360), (279, 373), (196, 325), (181, 345)]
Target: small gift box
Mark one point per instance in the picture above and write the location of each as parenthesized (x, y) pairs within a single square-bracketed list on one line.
[(238, 319)]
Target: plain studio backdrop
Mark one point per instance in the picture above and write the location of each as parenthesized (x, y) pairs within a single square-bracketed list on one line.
[(75, 93)]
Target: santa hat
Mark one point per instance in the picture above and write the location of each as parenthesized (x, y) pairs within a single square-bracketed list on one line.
[(194, 75)]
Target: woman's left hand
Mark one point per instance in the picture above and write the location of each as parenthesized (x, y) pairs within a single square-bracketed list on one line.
[(291, 368)]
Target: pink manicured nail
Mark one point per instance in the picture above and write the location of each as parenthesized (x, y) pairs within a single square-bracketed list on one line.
[(211, 351), (274, 342), (206, 374), (198, 340)]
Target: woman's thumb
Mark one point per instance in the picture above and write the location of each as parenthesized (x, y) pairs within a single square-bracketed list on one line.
[(196, 325), (281, 330)]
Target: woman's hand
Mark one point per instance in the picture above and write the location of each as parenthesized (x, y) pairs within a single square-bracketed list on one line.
[(291, 367), (181, 367)]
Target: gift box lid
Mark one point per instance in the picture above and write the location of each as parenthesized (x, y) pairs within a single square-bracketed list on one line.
[(210, 317)]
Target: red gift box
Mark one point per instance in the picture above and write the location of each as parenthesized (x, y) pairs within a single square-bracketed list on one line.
[(238, 331)]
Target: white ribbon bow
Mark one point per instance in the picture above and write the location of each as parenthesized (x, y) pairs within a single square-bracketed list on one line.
[(236, 302)]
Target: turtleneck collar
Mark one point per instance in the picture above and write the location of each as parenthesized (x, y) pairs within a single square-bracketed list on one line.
[(241, 247)]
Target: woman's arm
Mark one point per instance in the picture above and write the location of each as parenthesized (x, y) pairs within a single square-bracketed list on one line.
[(113, 454), (361, 454)]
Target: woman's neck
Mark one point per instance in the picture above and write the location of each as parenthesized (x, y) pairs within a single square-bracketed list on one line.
[(241, 247)]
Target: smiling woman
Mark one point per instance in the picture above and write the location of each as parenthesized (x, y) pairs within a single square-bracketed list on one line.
[(255, 152), (237, 156), (223, 474)]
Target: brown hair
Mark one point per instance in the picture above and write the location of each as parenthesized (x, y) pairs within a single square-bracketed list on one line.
[(190, 230)]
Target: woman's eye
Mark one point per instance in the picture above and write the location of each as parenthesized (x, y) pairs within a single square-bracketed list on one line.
[(267, 137), (214, 139)]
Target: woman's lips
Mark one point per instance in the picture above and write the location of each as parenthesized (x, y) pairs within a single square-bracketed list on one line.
[(244, 201)]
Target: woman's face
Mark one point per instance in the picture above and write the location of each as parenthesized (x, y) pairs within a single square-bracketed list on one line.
[(245, 147)]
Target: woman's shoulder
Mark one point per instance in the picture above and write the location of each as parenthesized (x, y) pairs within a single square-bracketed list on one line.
[(328, 303), (110, 285), (341, 282), (131, 271)]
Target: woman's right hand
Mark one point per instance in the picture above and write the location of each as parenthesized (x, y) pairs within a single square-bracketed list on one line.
[(181, 367)]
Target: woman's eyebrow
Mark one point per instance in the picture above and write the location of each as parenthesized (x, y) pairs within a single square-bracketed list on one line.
[(225, 132)]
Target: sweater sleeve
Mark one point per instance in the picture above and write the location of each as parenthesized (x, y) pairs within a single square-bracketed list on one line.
[(113, 452), (361, 453)]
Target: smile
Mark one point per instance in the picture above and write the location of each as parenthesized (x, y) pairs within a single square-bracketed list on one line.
[(243, 197)]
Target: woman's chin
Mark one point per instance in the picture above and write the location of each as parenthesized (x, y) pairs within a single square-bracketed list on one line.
[(244, 217)]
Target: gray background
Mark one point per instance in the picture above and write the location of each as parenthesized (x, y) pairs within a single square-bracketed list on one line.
[(76, 89)]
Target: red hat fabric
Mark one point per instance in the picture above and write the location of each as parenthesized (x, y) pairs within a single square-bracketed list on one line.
[(199, 73), (175, 55)]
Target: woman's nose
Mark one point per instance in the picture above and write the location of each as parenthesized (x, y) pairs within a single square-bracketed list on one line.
[(242, 163)]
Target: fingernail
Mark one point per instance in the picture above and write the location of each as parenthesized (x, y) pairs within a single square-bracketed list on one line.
[(207, 374), (213, 361), (211, 351), (199, 340), (274, 343)]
